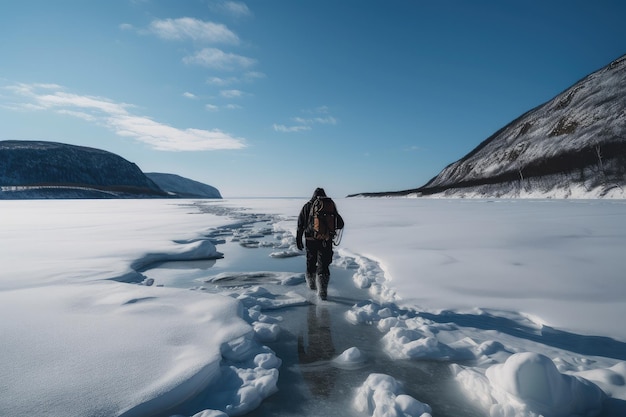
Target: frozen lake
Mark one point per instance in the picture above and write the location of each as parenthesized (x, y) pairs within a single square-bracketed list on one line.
[(196, 308), (312, 335)]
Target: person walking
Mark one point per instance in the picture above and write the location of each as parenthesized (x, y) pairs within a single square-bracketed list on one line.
[(318, 223)]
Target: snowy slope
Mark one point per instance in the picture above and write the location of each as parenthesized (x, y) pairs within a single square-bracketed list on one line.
[(183, 187), (572, 146), (38, 169)]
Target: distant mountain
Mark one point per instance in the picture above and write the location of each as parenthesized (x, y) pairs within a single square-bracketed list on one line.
[(183, 187), (573, 146), (39, 169)]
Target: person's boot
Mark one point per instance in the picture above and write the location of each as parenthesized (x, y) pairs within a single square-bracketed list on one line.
[(310, 280), (322, 286)]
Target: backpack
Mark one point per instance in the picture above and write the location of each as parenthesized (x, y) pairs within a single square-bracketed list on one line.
[(323, 218)]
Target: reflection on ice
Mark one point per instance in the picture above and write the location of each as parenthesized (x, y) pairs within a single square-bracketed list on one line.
[(315, 350)]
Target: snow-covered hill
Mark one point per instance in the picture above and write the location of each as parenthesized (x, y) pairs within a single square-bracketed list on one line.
[(573, 146), (183, 187), (39, 169)]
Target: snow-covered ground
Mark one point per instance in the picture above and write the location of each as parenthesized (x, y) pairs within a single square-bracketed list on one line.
[(522, 298)]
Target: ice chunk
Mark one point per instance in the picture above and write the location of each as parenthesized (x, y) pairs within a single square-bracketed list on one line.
[(350, 358), (381, 395), (266, 332)]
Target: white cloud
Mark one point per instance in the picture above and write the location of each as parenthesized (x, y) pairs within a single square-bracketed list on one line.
[(25, 89), (231, 93), (167, 138), (222, 82), (329, 120), (253, 75), (233, 8), (307, 123), (194, 29), (62, 99), (187, 94), (116, 117), (79, 114), (247, 77), (217, 59), (290, 129), (214, 107)]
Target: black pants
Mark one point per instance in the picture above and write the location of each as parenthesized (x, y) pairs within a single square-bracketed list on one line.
[(319, 255)]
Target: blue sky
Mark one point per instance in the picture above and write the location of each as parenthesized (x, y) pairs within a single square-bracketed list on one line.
[(274, 98)]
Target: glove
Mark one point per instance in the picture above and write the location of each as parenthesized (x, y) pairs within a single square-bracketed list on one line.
[(299, 240)]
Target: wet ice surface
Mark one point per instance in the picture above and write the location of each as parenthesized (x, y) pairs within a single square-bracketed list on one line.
[(311, 337), (313, 384)]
